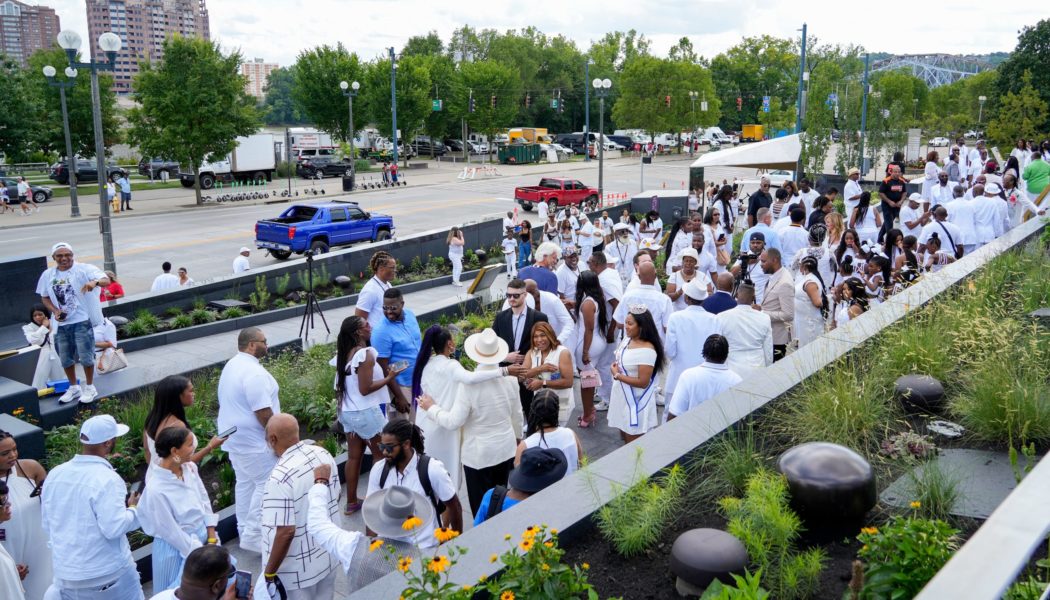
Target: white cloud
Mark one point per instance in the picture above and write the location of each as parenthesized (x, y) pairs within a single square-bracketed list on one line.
[(278, 30)]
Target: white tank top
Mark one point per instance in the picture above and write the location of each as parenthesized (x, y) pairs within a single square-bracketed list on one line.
[(561, 438)]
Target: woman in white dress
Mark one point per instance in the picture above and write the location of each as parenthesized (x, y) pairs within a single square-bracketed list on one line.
[(455, 253), (930, 173), (11, 572), (171, 397), (175, 508), (39, 332), (439, 375), (637, 363), (566, 237), (714, 235), (826, 265), (548, 365), (592, 321), (811, 302), (836, 228), (1018, 202), (853, 302), (866, 220), (24, 539), (545, 432), (689, 258)]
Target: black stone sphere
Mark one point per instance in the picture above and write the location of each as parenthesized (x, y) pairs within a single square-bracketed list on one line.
[(831, 487), (118, 321), (344, 282), (481, 254), (699, 556), (920, 393)]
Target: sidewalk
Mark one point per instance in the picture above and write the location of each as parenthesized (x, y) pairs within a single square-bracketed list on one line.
[(177, 200)]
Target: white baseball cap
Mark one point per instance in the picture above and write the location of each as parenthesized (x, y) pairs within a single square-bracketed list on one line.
[(244, 249), (915, 197), (100, 429)]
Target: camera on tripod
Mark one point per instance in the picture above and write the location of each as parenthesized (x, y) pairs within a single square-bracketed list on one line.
[(309, 253)]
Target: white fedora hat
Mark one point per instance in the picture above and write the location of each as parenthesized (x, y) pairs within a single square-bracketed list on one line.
[(486, 348)]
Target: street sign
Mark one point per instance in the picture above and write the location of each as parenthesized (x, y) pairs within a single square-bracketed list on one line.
[(765, 103), (435, 104), (554, 103), (703, 106)]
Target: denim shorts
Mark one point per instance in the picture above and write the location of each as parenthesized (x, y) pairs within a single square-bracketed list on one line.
[(75, 343), (365, 424)]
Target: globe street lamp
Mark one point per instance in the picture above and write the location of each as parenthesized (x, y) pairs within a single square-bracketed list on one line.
[(110, 44), (350, 90), (692, 134), (601, 89), (980, 111), (71, 73)]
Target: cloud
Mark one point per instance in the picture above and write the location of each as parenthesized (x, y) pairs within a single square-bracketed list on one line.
[(278, 30)]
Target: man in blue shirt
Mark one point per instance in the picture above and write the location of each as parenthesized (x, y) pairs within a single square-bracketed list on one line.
[(125, 192), (764, 217), (542, 272), (396, 339)]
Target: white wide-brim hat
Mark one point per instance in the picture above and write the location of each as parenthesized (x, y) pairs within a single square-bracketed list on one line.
[(486, 348)]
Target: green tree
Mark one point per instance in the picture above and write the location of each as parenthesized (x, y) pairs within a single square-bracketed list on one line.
[(280, 106), (684, 51), (424, 45), (414, 93), (1020, 115), (756, 67), (1032, 53), (617, 49), (316, 91), (193, 106), (641, 95), (18, 110), (488, 78), (444, 79), (686, 113), (48, 134)]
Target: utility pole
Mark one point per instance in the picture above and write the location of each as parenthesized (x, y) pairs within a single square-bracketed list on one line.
[(801, 96), (586, 109), (864, 114), (393, 101)]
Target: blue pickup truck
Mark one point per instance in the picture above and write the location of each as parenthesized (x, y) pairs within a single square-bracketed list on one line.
[(318, 227)]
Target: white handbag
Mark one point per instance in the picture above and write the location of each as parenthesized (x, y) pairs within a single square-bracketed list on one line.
[(107, 362)]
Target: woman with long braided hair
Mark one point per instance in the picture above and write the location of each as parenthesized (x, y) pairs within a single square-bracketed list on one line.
[(811, 302)]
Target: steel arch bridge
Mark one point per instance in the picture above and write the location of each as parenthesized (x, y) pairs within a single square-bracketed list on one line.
[(935, 69)]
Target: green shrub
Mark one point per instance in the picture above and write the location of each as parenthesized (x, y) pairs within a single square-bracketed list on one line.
[(935, 491), (135, 328), (173, 311), (634, 520), (201, 316), (1004, 396), (748, 587), (234, 312), (62, 443), (260, 298), (148, 320), (903, 555), (769, 529), (199, 303), (321, 278), (181, 321), (281, 284), (732, 459), (280, 303)]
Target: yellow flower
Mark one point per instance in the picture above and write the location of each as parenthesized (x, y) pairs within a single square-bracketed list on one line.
[(482, 579), (507, 595), (493, 558), (545, 567), (467, 588), (404, 563), (411, 523), (554, 532), (585, 566), (506, 537), (916, 504), (375, 545), (530, 533), (865, 548), (444, 534), (438, 564), (870, 530), (548, 544), (525, 545)]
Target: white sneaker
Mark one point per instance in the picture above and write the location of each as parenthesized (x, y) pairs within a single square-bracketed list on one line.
[(660, 400), (88, 395), (457, 284), (71, 394), (601, 405)]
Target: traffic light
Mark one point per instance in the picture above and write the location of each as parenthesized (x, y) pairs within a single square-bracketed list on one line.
[(470, 104), (561, 105), (493, 101), (739, 104), (528, 100), (667, 100)]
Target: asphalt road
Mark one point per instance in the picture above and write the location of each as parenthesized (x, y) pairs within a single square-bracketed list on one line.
[(205, 241)]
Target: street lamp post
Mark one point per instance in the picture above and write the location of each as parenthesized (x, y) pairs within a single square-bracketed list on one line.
[(350, 90), (980, 111), (586, 110), (110, 43), (393, 101), (601, 89), (71, 73), (692, 134)]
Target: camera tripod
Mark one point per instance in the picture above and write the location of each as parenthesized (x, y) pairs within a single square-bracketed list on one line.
[(312, 305)]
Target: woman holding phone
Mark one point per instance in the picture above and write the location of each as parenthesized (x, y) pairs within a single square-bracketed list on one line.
[(24, 537), (171, 397)]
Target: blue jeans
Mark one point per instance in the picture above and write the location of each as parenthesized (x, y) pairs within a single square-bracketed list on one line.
[(524, 254), (75, 343), (365, 424)]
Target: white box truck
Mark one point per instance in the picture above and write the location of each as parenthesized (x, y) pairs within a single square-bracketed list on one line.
[(716, 134), (252, 160)]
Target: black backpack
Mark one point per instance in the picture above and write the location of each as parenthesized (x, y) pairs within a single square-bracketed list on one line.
[(499, 494), (424, 480)]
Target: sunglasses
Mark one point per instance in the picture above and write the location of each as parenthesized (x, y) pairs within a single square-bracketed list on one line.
[(390, 308), (387, 447), (515, 295)]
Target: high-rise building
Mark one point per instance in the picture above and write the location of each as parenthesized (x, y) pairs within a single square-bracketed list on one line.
[(24, 29), (143, 25), (256, 73)]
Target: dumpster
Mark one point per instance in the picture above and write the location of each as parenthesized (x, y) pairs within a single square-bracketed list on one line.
[(348, 180), (519, 154)]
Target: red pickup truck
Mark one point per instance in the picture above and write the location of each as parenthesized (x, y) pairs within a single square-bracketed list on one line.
[(557, 191)]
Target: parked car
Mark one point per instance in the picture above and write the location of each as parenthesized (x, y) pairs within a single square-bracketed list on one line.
[(622, 140), (320, 167), (301, 154), (567, 152), (572, 141), (160, 165), (558, 191), (424, 146), (937, 141), (319, 227), (562, 151), (86, 171), (40, 193), (971, 134)]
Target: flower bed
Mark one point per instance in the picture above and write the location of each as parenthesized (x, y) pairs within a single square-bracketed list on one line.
[(994, 362)]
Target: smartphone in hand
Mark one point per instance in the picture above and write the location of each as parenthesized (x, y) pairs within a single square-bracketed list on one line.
[(244, 584), (228, 432)]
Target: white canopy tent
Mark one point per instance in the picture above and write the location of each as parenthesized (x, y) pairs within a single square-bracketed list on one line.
[(777, 153)]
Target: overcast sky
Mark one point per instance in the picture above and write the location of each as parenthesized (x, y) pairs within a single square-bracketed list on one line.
[(277, 30)]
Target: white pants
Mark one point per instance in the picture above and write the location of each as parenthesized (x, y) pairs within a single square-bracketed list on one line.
[(124, 586), (457, 266), (603, 364), (511, 258), (252, 471)]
